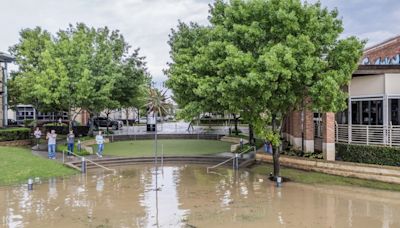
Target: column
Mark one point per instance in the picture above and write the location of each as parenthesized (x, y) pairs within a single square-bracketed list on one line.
[(308, 132), (328, 134), (296, 130)]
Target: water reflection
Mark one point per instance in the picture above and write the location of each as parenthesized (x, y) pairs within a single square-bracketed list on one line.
[(180, 196)]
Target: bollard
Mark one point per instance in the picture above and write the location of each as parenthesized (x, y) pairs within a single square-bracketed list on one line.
[(79, 145), (278, 181), (237, 161), (83, 165), (30, 184)]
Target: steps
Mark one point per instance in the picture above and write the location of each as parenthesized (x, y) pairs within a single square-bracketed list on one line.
[(112, 162)]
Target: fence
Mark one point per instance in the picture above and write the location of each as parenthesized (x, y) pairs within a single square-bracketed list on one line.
[(385, 135)]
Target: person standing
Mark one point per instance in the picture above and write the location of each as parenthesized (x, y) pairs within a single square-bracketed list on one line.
[(38, 135), (51, 137), (100, 144), (70, 143)]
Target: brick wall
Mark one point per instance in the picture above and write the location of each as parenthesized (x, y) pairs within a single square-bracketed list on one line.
[(296, 124), (387, 49), (328, 120), (309, 125)]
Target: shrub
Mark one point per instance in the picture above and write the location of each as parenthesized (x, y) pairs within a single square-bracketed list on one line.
[(11, 134), (64, 130), (55, 124), (369, 154), (81, 130), (61, 130), (64, 147), (30, 123)]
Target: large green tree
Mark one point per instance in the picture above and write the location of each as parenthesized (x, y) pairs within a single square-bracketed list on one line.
[(265, 58), (77, 68)]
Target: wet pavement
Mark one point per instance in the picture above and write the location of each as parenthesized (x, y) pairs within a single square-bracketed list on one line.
[(178, 128), (187, 196)]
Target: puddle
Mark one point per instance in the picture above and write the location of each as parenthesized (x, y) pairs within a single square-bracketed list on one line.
[(186, 196)]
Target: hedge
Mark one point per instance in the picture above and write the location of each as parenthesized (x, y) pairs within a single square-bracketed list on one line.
[(11, 134), (378, 155), (64, 130)]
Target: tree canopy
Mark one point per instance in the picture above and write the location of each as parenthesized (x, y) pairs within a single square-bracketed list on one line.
[(262, 59), (79, 67)]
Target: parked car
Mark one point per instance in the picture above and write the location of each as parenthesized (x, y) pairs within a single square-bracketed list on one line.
[(104, 122), (142, 120), (12, 123)]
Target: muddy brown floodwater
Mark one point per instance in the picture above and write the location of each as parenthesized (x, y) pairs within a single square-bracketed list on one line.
[(186, 196)]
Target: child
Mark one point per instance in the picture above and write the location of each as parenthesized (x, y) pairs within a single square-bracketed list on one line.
[(51, 137), (37, 134), (100, 144), (70, 141)]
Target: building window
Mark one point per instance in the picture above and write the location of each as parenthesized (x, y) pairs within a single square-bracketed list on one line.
[(341, 117), (367, 112), (394, 111)]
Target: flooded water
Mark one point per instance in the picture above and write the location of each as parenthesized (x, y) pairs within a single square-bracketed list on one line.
[(186, 196)]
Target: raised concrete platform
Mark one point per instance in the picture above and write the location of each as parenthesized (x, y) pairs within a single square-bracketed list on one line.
[(234, 140), (123, 161), (347, 169)]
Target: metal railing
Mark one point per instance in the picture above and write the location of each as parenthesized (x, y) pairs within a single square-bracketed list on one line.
[(385, 135), (234, 158), (94, 163)]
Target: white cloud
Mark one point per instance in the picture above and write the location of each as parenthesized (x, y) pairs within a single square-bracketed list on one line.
[(147, 23), (144, 23)]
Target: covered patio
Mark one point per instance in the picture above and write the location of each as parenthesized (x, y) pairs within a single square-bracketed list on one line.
[(373, 114)]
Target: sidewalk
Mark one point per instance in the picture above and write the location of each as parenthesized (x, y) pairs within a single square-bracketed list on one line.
[(347, 169)]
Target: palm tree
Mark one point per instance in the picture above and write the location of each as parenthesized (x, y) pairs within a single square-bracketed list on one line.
[(157, 103)]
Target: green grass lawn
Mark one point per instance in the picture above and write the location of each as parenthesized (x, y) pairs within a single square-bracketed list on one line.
[(171, 147), (308, 177), (18, 164)]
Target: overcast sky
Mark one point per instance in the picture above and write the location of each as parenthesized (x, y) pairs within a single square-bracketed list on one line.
[(147, 23)]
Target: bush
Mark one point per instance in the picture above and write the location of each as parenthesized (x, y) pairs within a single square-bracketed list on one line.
[(61, 130), (378, 155), (30, 123), (299, 153), (64, 130), (64, 147), (81, 130), (12, 134), (55, 124)]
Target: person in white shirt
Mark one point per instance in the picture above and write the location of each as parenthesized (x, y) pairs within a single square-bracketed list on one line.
[(37, 135), (51, 137), (100, 144)]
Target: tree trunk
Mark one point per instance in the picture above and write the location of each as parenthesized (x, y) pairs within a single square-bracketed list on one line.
[(251, 134), (69, 119), (138, 115), (91, 125), (127, 117), (108, 122), (236, 119), (275, 152)]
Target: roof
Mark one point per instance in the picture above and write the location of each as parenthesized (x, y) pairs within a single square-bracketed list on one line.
[(364, 70), (381, 44), (6, 57)]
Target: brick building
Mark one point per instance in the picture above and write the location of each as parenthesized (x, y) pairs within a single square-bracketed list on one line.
[(373, 113)]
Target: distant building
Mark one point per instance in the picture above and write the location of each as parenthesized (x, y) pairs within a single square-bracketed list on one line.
[(28, 112), (4, 60)]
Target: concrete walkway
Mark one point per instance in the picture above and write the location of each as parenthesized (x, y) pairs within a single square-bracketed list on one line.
[(382, 173)]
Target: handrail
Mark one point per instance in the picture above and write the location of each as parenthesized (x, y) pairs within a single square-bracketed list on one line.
[(101, 166), (234, 156)]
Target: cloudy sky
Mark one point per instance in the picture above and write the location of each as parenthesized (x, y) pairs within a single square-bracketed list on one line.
[(147, 23)]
